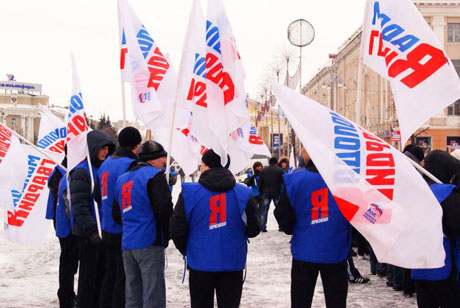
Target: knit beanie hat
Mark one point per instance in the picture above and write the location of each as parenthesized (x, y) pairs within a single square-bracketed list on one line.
[(212, 160), (418, 152), (442, 165), (151, 150), (129, 137)]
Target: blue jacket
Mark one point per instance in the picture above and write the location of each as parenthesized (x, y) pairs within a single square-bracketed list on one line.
[(108, 174), (63, 226), (321, 233), (138, 219), (217, 240)]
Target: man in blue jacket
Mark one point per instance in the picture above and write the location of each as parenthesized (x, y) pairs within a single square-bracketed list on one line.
[(211, 223), (143, 199), (125, 157), (440, 287), (320, 237), (83, 218), (68, 259)]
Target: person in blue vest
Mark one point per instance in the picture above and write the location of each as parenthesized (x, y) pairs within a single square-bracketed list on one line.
[(211, 224), (252, 181), (124, 158), (440, 287), (143, 206), (284, 165), (83, 219), (68, 259), (321, 237)]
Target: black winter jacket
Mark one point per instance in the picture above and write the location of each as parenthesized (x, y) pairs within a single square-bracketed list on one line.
[(284, 213), (270, 180), (161, 202), (216, 180), (80, 187)]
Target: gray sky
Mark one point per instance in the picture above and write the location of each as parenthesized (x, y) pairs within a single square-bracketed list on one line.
[(37, 37)]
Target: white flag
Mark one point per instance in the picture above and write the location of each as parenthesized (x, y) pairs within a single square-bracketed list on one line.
[(52, 134), (398, 44), (258, 144), (142, 64), (375, 186), (12, 170), (26, 223), (77, 127)]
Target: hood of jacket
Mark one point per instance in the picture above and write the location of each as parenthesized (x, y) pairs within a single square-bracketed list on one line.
[(217, 179), (442, 165), (96, 140)]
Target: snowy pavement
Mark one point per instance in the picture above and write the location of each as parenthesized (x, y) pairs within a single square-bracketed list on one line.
[(29, 276)]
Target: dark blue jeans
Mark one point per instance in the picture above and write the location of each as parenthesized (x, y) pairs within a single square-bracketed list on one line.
[(267, 198)]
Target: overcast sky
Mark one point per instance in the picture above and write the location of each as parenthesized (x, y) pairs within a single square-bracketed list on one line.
[(37, 37)]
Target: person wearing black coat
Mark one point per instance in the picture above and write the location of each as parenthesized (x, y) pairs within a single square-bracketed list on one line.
[(84, 226), (443, 293), (227, 283), (270, 183)]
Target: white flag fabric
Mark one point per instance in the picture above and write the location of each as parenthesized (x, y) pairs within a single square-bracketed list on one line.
[(292, 161), (77, 127), (258, 145), (375, 186), (12, 173), (26, 223), (142, 64), (52, 134), (398, 44)]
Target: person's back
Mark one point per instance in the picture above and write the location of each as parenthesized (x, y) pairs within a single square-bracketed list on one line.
[(210, 226), (271, 179), (321, 237)]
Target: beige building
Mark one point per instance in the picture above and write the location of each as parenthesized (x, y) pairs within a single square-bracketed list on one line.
[(19, 107), (335, 85), (267, 126)]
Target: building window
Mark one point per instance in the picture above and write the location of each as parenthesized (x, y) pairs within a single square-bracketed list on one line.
[(13, 124), (424, 142), (453, 143), (454, 109), (453, 33), (456, 64)]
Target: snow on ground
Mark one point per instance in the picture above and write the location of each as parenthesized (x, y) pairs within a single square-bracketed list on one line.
[(29, 276)]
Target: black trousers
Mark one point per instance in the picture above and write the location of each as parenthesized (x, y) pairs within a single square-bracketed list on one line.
[(434, 294), (90, 273), (303, 282), (68, 266), (228, 286), (113, 284)]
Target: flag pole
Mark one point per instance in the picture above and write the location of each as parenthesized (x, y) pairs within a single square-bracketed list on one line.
[(424, 171), (123, 102), (171, 131), (96, 210), (39, 150)]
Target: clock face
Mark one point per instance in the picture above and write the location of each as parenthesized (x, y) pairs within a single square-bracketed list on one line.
[(301, 33)]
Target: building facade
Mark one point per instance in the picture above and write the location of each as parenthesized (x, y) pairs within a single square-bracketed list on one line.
[(271, 127), (336, 85), (19, 107)]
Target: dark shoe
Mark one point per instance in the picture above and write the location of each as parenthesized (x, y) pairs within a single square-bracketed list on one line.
[(381, 275), (389, 284), (361, 280), (264, 230), (398, 288), (352, 253)]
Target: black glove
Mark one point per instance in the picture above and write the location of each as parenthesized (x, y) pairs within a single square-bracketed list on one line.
[(94, 238)]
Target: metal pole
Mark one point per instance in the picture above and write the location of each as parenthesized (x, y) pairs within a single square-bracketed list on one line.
[(123, 102)]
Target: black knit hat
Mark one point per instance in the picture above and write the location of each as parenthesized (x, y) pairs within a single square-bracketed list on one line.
[(212, 160), (442, 165), (129, 137), (151, 150), (418, 152)]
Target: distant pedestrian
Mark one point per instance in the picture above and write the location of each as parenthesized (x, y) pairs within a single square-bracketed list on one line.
[(252, 181), (270, 181)]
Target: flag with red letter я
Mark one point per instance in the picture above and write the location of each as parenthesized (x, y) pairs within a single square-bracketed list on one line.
[(377, 189)]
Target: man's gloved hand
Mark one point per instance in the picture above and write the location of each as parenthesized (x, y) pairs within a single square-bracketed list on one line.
[(94, 238)]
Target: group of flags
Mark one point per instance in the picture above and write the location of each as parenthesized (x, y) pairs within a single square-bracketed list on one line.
[(204, 105), (377, 189)]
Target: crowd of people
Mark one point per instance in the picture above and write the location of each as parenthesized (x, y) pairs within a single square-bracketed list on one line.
[(124, 265)]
